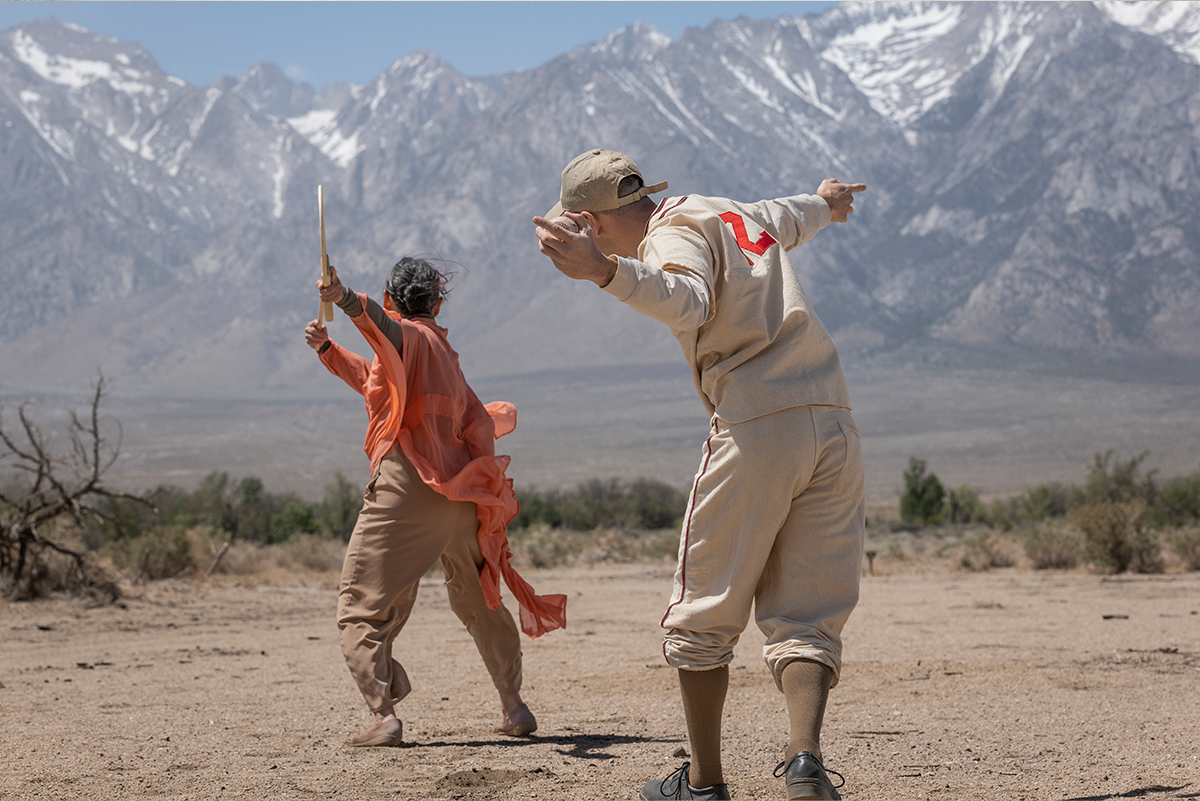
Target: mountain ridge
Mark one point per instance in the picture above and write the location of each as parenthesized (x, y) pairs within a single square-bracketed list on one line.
[(1032, 187)]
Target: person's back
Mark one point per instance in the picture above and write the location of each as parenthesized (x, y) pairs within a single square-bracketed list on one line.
[(446, 421), (761, 334)]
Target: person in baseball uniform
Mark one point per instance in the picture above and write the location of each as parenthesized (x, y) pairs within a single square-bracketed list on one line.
[(775, 520), (437, 491)]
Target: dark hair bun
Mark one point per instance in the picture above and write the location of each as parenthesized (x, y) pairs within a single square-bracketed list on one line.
[(416, 286)]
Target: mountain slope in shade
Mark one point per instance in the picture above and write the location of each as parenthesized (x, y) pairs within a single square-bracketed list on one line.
[(1033, 185)]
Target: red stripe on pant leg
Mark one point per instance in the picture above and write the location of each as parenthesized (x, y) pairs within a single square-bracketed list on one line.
[(687, 529)]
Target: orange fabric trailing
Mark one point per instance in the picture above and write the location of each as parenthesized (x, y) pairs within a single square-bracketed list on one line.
[(423, 402)]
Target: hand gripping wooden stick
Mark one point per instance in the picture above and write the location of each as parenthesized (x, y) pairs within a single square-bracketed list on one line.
[(325, 309)]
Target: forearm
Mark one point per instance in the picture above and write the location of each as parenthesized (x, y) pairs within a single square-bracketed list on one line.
[(387, 326), (678, 298), (353, 307), (350, 303), (797, 218)]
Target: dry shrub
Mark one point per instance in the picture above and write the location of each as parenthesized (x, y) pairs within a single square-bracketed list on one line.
[(1051, 547), (310, 552), (1185, 542), (1115, 536), (161, 552), (245, 558), (987, 550), (542, 546), (52, 571)]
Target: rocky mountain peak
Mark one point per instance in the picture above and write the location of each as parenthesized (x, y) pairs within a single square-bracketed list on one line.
[(1033, 185)]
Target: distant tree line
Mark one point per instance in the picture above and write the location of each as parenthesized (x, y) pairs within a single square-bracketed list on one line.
[(241, 510), (644, 504), (1118, 510)]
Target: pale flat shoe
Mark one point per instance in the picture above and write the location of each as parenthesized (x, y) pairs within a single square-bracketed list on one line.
[(518, 723), (377, 736)]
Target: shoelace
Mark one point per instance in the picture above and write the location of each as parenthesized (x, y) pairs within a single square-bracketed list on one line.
[(679, 777), (782, 767)]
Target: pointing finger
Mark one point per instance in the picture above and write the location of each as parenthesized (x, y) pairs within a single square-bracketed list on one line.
[(857, 187)]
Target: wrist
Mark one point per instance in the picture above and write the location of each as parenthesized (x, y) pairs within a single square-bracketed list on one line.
[(606, 277)]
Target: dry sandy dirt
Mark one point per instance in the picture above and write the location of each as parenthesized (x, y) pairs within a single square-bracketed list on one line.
[(1003, 685)]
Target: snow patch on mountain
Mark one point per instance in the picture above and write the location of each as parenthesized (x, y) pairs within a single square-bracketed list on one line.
[(1176, 23), (76, 73), (883, 57), (320, 127)]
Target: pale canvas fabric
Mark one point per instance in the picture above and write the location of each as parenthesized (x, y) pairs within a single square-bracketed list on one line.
[(775, 522), (716, 271), (402, 530)]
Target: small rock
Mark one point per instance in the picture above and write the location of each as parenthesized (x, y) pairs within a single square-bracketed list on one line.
[(681, 752)]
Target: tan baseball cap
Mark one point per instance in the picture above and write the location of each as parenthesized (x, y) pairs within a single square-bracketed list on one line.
[(590, 181)]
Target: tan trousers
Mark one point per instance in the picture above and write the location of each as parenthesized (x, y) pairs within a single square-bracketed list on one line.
[(776, 519), (403, 528)]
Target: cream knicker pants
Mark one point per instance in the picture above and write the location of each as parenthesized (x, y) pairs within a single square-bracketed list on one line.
[(775, 521)]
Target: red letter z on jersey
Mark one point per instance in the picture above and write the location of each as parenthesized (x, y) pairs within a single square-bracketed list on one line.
[(738, 225)]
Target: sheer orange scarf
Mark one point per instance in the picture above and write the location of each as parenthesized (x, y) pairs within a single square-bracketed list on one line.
[(422, 401)]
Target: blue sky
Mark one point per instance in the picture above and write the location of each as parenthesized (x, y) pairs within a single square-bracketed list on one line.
[(323, 42)]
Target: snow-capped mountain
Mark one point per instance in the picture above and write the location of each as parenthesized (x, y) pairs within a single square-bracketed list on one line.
[(1032, 172)]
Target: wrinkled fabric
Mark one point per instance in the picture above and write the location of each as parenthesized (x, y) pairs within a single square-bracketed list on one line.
[(422, 401)]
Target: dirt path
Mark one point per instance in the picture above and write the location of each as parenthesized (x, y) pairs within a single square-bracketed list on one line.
[(1007, 685)]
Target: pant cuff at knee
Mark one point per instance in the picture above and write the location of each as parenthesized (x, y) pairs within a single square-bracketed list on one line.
[(692, 651), (779, 656)]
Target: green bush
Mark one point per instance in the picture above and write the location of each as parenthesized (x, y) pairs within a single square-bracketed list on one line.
[(924, 496), (1051, 547), (1115, 536), (1186, 544), (1045, 501), (340, 507), (1115, 481), (296, 518), (965, 506), (1178, 502), (645, 504)]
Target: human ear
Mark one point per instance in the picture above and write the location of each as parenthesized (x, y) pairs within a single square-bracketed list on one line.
[(594, 222)]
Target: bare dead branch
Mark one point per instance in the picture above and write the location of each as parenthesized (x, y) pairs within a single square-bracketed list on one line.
[(51, 494)]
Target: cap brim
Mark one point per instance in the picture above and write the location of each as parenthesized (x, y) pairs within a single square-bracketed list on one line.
[(555, 212)]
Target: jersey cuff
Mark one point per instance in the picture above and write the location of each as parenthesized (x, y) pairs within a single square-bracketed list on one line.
[(624, 281)]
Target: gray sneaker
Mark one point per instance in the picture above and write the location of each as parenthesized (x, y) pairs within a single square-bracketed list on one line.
[(807, 778), (676, 786)]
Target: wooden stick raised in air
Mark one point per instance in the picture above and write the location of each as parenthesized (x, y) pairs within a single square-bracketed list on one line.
[(325, 310)]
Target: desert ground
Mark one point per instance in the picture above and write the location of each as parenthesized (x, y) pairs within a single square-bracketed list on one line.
[(1011, 684)]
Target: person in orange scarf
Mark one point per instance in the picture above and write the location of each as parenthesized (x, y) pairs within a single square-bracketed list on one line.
[(437, 490)]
